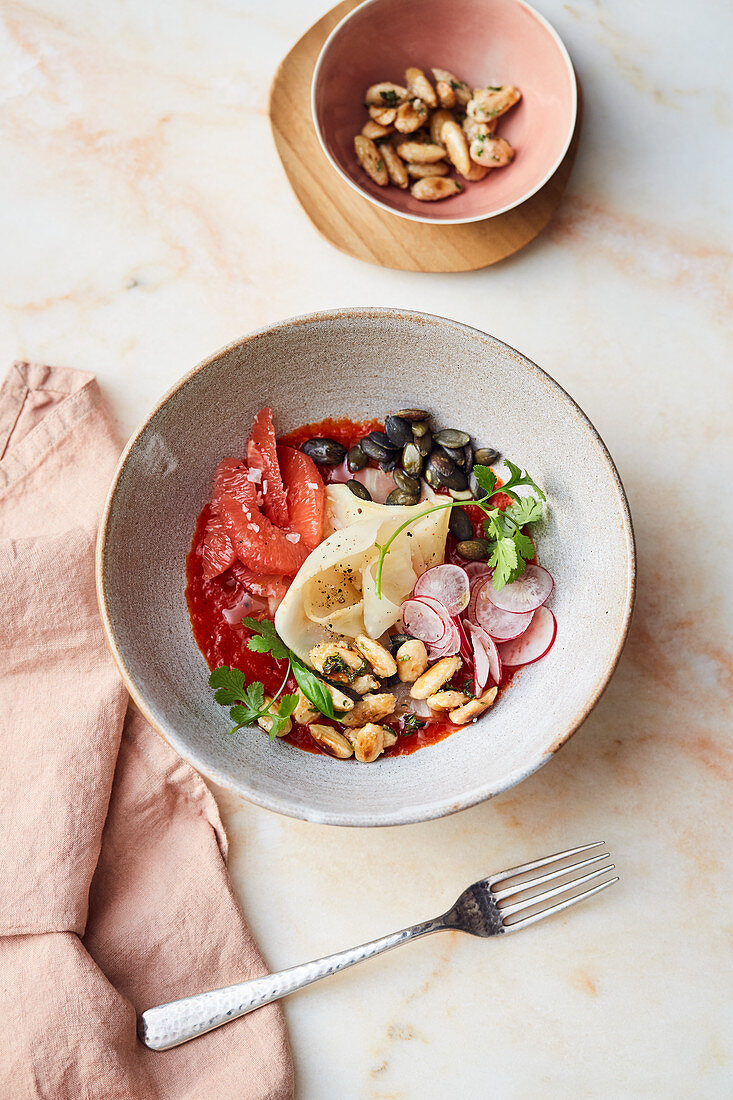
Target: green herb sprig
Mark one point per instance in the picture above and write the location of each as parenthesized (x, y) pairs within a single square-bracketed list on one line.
[(247, 701), (510, 548)]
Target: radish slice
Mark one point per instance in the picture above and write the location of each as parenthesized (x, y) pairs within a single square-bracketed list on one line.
[(527, 593), (438, 608), (447, 648), (476, 570), (534, 643), (447, 583), (486, 658), (501, 625), (464, 649), (423, 622), (248, 605)]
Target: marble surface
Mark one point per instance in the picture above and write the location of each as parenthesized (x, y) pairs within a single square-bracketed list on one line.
[(146, 220)]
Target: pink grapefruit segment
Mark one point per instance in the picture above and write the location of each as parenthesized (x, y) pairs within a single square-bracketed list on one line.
[(258, 544), (262, 455), (306, 495)]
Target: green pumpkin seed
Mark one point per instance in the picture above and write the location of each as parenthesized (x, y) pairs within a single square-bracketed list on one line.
[(455, 454), (324, 452), (375, 450), (425, 444), (433, 478), (399, 496), (485, 456), (420, 428), (440, 462), (411, 460), (460, 525), (404, 481), (356, 459), (451, 437), (469, 459), (456, 480), (383, 440), (474, 549), (413, 414), (358, 489)]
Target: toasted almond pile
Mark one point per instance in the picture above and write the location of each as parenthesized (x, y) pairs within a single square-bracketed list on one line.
[(418, 131)]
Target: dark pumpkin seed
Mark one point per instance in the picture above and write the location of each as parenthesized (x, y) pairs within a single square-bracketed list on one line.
[(356, 459), (398, 430), (456, 480), (399, 496), (451, 437), (455, 454), (404, 481), (468, 452), (375, 450), (440, 462), (460, 525), (411, 460), (396, 640), (358, 489), (420, 428), (425, 444), (389, 465), (324, 452), (433, 478), (474, 549), (485, 456), (383, 440), (413, 414)]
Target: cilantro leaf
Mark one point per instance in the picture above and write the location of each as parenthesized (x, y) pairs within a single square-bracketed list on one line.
[(506, 562), (265, 638), (525, 510), (524, 546), (230, 685), (518, 478), (254, 696), (288, 703), (314, 690), (486, 478)]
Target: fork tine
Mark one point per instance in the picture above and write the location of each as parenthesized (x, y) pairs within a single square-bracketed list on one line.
[(541, 862), (557, 908), (518, 888), (528, 903)]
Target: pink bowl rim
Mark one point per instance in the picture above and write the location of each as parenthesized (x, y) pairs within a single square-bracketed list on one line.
[(426, 219)]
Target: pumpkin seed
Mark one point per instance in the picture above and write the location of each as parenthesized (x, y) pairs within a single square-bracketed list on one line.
[(358, 489), (398, 431), (485, 456), (375, 450), (433, 478), (451, 437), (399, 496), (478, 492), (413, 414), (389, 465), (404, 481), (440, 462), (356, 459), (411, 460), (396, 640), (473, 549), (468, 452), (324, 452), (425, 444), (383, 440), (420, 428), (456, 480), (460, 525), (456, 454)]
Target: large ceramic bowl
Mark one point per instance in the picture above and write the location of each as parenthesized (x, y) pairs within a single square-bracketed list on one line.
[(483, 42), (363, 363)]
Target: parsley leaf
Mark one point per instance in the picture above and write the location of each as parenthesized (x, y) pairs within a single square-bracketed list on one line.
[(265, 639), (413, 724), (486, 478)]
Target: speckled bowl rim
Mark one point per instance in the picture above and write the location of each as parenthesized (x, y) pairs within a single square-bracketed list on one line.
[(406, 816), (425, 218)]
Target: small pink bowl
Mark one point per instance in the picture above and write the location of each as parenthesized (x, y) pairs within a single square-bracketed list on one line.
[(484, 42)]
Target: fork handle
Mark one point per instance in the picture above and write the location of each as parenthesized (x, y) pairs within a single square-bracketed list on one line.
[(169, 1025)]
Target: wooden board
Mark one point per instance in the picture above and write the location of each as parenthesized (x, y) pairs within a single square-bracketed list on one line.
[(364, 231)]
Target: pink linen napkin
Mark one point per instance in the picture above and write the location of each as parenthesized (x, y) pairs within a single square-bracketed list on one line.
[(114, 893)]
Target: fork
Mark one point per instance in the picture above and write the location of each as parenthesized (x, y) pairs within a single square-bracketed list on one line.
[(481, 910)]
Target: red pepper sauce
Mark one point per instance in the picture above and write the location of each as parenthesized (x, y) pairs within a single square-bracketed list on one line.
[(222, 644)]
